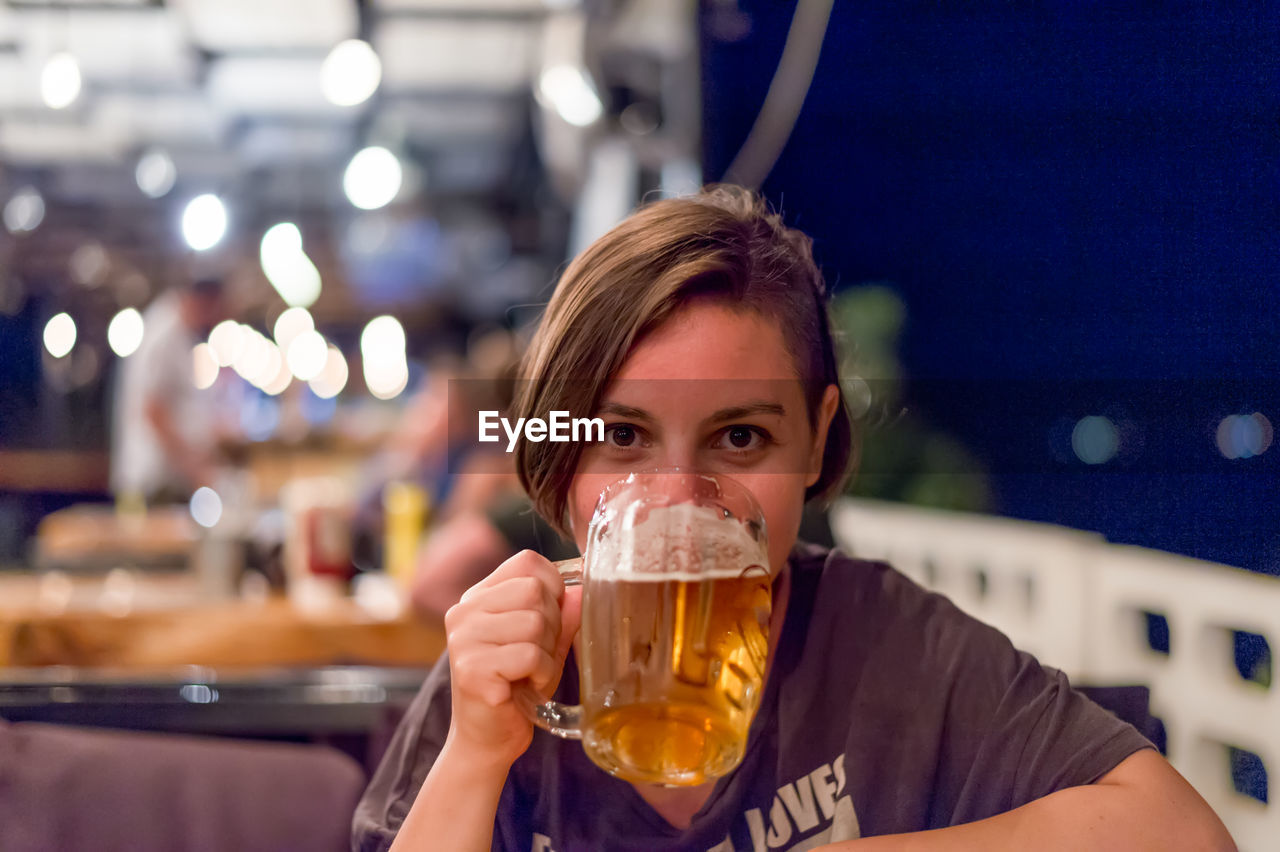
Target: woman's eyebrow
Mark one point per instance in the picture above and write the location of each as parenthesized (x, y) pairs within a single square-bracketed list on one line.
[(733, 412), (617, 409), (748, 409)]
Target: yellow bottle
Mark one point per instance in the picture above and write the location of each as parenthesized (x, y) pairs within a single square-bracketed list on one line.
[(405, 507)]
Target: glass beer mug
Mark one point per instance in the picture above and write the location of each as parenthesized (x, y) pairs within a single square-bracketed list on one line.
[(674, 636)]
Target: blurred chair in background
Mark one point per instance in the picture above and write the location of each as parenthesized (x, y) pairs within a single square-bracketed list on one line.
[(69, 788)]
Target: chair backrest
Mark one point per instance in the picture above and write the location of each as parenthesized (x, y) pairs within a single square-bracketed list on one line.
[(1025, 579), (1208, 708), (1082, 605), (71, 788)]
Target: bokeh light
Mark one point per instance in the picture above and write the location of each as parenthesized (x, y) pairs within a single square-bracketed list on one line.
[(1095, 440), (280, 382), (387, 382), (252, 357), (206, 507), (60, 81), (60, 334), (287, 266), (204, 222), (24, 211), (350, 73), (1243, 436), (199, 693), (204, 366), (382, 348), (155, 173), (291, 323), (125, 331), (227, 340), (571, 94), (89, 264), (307, 354), (372, 178), (269, 367), (333, 378), (383, 338)]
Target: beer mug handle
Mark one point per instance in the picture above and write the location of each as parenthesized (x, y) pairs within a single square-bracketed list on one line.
[(563, 720)]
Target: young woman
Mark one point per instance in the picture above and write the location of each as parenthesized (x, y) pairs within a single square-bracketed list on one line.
[(697, 329)]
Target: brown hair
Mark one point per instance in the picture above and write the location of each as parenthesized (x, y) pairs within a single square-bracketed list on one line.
[(724, 243)]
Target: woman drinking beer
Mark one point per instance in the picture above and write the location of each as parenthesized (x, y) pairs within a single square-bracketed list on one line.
[(697, 331)]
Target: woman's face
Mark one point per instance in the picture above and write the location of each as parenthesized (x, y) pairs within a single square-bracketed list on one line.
[(712, 390)]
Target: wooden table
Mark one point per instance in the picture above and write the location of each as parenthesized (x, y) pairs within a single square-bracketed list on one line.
[(95, 537), (168, 627), (330, 673)]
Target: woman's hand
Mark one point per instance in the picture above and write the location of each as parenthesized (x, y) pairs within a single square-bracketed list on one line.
[(515, 624)]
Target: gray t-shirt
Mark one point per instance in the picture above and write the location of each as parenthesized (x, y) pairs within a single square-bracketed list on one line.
[(886, 710)]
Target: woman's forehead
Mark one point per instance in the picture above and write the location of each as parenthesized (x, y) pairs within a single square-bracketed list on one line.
[(709, 342)]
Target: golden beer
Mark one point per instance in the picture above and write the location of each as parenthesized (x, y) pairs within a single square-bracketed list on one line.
[(672, 668), (675, 629)]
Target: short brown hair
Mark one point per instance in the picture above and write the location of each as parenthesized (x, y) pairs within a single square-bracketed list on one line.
[(724, 243)]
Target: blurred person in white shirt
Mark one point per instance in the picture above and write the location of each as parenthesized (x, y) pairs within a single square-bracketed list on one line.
[(164, 433)]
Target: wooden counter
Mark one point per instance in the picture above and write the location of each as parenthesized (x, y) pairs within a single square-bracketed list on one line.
[(230, 635)]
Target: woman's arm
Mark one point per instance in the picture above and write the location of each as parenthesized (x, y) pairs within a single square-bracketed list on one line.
[(456, 807), (516, 624), (1141, 804)]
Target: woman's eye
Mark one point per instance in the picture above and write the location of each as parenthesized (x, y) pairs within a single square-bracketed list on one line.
[(740, 438), (622, 436)]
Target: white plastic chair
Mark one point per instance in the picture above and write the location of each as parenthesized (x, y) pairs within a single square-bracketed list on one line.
[(1080, 604)]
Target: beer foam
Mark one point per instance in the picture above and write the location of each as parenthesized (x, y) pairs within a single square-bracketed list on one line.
[(681, 542), (673, 576)]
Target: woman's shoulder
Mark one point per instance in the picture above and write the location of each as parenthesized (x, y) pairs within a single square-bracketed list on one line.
[(876, 601), (834, 574)]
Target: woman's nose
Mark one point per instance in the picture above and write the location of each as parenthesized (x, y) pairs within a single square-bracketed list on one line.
[(678, 456)]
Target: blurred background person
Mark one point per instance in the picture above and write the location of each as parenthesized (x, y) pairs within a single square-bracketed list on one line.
[(476, 512), (493, 520), (164, 435)]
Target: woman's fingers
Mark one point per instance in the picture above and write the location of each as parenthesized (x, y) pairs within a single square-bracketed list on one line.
[(494, 629), (515, 609), (509, 627), (526, 563), (486, 673), (505, 629), (514, 593)]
